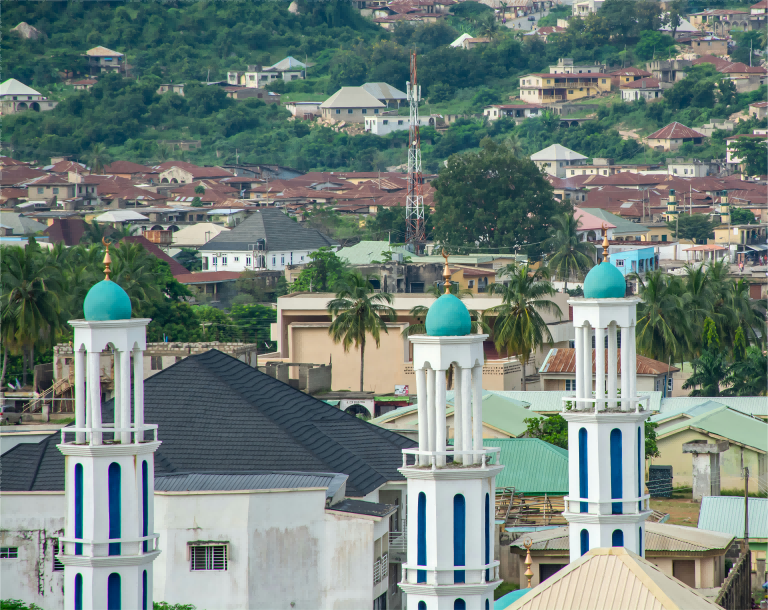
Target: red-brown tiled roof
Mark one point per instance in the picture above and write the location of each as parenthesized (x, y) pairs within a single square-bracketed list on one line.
[(85, 81), (674, 130), (69, 230), (16, 174), (629, 72), (62, 167), (718, 62), (126, 167), (563, 360), (643, 83), (8, 162), (12, 193), (176, 267)]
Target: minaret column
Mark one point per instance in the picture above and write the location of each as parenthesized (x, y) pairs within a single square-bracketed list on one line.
[(421, 395), (440, 422), (633, 369), (600, 368), (466, 407), (79, 392), (612, 364), (138, 392), (586, 372), (125, 395), (626, 367), (458, 414), (431, 409), (579, 349), (477, 410), (94, 396)]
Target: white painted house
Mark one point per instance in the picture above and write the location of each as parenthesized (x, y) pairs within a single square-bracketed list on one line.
[(267, 239), (555, 160), (383, 125), (17, 97)]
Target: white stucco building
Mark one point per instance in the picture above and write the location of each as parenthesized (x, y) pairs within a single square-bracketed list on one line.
[(556, 159), (383, 125), (267, 239)]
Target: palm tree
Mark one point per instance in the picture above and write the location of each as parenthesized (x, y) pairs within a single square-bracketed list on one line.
[(709, 370), (358, 311), (569, 256), (663, 328), (29, 300), (743, 312), (133, 270), (98, 157), (94, 232), (518, 326), (698, 297), (514, 144), (749, 375), (488, 26)]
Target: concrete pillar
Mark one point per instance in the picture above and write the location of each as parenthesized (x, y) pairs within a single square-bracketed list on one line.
[(440, 415), (586, 381), (124, 378), (579, 349), (138, 392), (79, 392), (632, 372), (477, 410), (600, 368), (117, 412), (421, 396), (625, 369), (431, 408), (706, 467), (93, 412), (458, 414), (466, 400)]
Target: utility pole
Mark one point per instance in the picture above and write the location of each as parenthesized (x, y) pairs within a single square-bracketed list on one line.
[(414, 202), (745, 543)]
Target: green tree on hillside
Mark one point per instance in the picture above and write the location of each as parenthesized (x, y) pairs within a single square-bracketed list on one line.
[(752, 152), (321, 273), (569, 256), (710, 369)]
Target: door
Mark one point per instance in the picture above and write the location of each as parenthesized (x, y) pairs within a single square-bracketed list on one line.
[(685, 571)]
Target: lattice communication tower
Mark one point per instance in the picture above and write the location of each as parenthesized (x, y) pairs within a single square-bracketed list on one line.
[(414, 203)]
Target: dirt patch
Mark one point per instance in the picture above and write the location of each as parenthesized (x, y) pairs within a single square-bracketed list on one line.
[(681, 508)]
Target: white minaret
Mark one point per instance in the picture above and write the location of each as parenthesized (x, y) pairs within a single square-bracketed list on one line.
[(451, 490), (606, 505), (109, 543)]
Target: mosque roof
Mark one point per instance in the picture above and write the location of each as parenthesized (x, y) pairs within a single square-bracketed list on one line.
[(106, 301), (604, 281), (448, 317)]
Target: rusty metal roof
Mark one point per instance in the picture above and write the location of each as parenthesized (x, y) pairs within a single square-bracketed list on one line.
[(563, 360)]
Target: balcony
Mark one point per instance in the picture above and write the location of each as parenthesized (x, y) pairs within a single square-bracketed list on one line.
[(552, 98), (431, 576), (476, 458), (398, 542)]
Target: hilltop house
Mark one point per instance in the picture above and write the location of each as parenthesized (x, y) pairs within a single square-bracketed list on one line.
[(386, 94), (556, 159), (646, 88), (541, 88), (267, 239), (257, 77), (17, 97), (102, 59), (673, 136), (512, 111), (351, 104)]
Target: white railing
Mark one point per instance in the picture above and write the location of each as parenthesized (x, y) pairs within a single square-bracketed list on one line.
[(470, 572), (478, 456), (398, 541), (636, 505), (377, 571), (66, 545), (109, 428), (384, 566), (575, 403)]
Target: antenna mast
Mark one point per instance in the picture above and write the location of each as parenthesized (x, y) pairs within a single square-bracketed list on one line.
[(414, 203)]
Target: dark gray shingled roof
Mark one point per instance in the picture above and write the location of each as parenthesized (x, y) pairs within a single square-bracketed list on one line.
[(238, 481), (282, 234), (217, 414), (360, 507)]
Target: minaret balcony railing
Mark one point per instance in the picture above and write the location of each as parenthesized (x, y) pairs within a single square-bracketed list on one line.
[(95, 436), (478, 458), (606, 405), (100, 548), (630, 506), (473, 575)]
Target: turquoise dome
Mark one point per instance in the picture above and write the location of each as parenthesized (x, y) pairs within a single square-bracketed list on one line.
[(448, 317), (106, 301), (604, 281)]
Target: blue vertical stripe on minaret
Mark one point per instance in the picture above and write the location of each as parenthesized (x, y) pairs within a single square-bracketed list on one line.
[(583, 470), (616, 474), (421, 541), (113, 592), (115, 517), (584, 539), (145, 502), (79, 512), (459, 536), (79, 590), (617, 538), (144, 588), (487, 535), (640, 469)]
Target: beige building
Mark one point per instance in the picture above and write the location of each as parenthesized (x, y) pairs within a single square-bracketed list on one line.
[(673, 136), (17, 97), (693, 556), (351, 104), (301, 333), (546, 88)]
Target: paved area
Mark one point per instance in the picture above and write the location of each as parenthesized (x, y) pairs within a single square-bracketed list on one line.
[(522, 23)]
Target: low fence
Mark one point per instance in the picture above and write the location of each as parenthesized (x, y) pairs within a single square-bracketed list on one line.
[(736, 593)]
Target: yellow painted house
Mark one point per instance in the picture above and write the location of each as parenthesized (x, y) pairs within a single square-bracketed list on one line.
[(547, 88)]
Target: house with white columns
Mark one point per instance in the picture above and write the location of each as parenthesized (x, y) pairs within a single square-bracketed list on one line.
[(606, 505), (451, 490), (109, 542)]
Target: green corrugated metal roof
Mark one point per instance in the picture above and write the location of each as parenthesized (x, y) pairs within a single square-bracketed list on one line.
[(531, 466), (751, 405), (729, 424), (703, 406), (399, 412), (364, 252), (457, 259), (622, 224), (550, 400), (726, 514)]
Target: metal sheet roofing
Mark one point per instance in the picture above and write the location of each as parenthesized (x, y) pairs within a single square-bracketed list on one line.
[(726, 423), (364, 252), (674, 130), (726, 514), (563, 360), (240, 481), (611, 578), (557, 151), (352, 97), (751, 405), (531, 466), (384, 91), (14, 87), (550, 401)]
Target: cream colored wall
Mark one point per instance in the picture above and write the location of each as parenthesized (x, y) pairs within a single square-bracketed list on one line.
[(645, 383), (564, 559), (671, 449)]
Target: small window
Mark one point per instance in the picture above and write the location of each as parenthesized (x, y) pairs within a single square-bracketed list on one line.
[(156, 363), (386, 122), (247, 260), (669, 384), (273, 261), (471, 283), (9, 552), (237, 259), (570, 92), (603, 81), (223, 260), (208, 557), (57, 565), (619, 263), (282, 260), (214, 260), (350, 111), (570, 385), (40, 190), (338, 111), (399, 122), (365, 111), (55, 190), (375, 111)]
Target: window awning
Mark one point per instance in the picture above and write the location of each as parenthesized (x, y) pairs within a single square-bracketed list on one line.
[(758, 247)]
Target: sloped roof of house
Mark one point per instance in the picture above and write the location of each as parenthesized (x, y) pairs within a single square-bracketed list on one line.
[(726, 514), (102, 52), (194, 235), (384, 91), (632, 71), (562, 360), (685, 26), (550, 401), (610, 578), (643, 83), (362, 253), (588, 222), (621, 225), (233, 481), (21, 225), (675, 130), (725, 423), (751, 405), (557, 152), (119, 216), (261, 424), (289, 63), (126, 167), (352, 97), (460, 40), (531, 465), (69, 230), (280, 232), (659, 537), (14, 87)]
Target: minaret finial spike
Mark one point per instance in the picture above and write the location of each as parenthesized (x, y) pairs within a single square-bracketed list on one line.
[(446, 273), (107, 258), (527, 543), (605, 243)]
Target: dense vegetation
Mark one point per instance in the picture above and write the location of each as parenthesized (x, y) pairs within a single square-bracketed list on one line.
[(193, 42)]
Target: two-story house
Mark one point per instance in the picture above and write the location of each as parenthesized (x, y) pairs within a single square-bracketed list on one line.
[(102, 59), (15, 97), (543, 88), (517, 112), (47, 187), (267, 239), (351, 104)]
